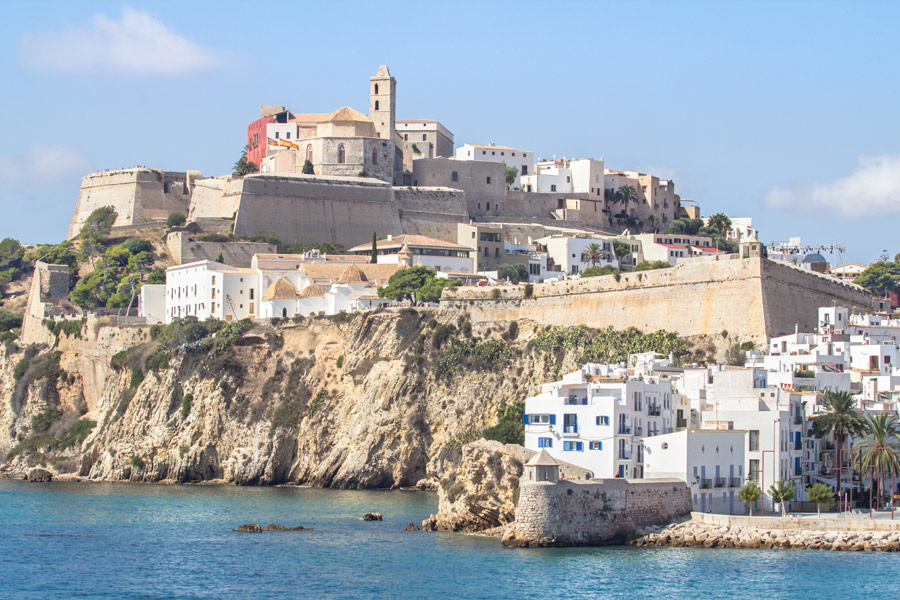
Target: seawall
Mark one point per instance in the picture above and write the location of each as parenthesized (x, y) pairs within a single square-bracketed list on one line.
[(751, 298), (594, 513)]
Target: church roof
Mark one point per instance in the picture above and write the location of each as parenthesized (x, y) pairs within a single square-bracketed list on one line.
[(347, 114), (330, 272), (280, 289), (405, 253), (542, 459), (312, 291), (352, 274), (751, 240), (382, 71)]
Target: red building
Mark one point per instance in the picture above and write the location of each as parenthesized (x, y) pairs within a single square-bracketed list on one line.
[(256, 131)]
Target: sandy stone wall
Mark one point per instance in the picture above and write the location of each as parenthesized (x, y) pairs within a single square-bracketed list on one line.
[(237, 254), (575, 513), (752, 299), (208, 202), (313, 208), (434, 212)]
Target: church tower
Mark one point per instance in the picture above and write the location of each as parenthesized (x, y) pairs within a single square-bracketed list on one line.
[(383, 103)]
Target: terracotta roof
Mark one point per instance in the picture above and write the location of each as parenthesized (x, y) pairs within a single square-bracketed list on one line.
[(322, 257), (312, 291), (405, 253), (713, 250), (352, 274), (347, 114), (331, 272), (671, 245), (309, 118), (420, 241), (542, 459), (280, 289)]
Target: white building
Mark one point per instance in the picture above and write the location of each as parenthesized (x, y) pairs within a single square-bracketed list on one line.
[(595, 418), (152, 302), (205, 289), (567, 253), (430, 252), (579, 176), (710, 461), (522, 160)]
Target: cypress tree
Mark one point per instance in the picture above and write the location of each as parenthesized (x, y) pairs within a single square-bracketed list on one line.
[(374, 258)]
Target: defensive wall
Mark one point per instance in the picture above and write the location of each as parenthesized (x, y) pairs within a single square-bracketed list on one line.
[(751, 298), (313, 208), (434, 212), (139, 195), (237, 254), (593, 513), (827, 522), (207, 201)]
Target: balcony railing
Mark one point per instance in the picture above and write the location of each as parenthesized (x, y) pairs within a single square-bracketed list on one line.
[(624, 430), (653, 411), (720, 482), (798, 420), (639, 431), (624, 455), (681, 423), (735, 482), (573, 429), (706, 484)]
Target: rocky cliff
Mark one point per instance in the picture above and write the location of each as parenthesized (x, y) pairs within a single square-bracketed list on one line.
[(363, 401)]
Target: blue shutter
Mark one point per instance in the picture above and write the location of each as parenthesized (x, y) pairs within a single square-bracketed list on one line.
[(553, 419), (524, 419), (549, 442), (579, 446), (598, 420)]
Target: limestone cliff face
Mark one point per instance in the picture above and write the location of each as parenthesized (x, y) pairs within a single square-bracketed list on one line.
[(361, 402)]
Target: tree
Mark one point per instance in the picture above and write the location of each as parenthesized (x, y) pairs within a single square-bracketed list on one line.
[(597, 271), (243, 166), (879, 451), (99, 223), (511, 174), (750, 493), (515, 273), (839, 418), (176, 219), (11, 255), (685, 226), (651, 265), (720, 223), (220, 258), (622, 249), (782, 492), (509, 428), (308, 168), (820, 493), (135, 245), (881, 277), (593, 254), (416, 283), (734, 356), (626, 194), (373, 259)]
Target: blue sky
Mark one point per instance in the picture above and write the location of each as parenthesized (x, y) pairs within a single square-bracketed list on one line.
[(783, 111)]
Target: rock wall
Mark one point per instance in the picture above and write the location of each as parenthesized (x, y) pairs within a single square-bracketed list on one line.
[(139, 195), (579, 513), (701, 296), (310, 208), (434, 212), (208, 200), (238, 254)]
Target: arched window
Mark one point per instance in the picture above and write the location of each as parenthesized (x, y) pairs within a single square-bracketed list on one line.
[(342, 154), (283, 312), (376, 105), (376, 88), (309, 152), (374, 156)]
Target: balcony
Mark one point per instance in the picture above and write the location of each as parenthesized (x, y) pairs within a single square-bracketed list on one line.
[(653, 411), (735, 482), (575, 401), (798, 420), (720, 482), (681, 423), (624, 455), (639, 431), (624, 430), (706, 484), (570, 430)]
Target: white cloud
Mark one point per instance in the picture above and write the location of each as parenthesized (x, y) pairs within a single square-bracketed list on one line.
[(135, 43), (41, 165), (872, 189)]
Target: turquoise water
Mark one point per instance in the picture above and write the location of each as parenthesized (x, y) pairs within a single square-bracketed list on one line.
[(79, 540)]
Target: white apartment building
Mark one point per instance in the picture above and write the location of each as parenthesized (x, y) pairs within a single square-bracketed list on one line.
[(710, 461), (425, 138), (436, 254), (595, 418), (205, 289), (579, 176), (152, 302), (523, 160), (567, 253)]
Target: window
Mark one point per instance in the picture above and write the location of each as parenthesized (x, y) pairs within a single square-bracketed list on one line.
[(489, 180), (376, 105), (638, 402), (754, 470), (251, 308), (376, 88), (553, 187), (251, 293), (596, 446), (342, 154), (405, 137), (454, 176), (545, 442), (603, 420), (287, 135), (424, 137), (570, 423), (489, 207), (309, 152), (754, 441), (276, 135), (374, 156), (524, 169), (573, 446), (496, 252)]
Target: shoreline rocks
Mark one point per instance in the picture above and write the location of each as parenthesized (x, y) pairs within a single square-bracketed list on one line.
[(254, 528), (37, 474), (694, 534), (372, 517)]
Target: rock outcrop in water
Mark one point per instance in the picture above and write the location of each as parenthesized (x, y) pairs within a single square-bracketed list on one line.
[(364, 401)]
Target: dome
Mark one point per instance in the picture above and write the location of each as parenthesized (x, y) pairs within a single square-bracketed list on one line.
[(280, 289), (814, 257), (352, 274), (312, 291)]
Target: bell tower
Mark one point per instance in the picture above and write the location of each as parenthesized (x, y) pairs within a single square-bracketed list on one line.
[(383, 103)]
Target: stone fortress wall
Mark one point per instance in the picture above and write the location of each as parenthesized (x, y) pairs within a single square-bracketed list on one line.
[(752, 298), (237, 254), (434, 212), (139, 195), (596, 512)]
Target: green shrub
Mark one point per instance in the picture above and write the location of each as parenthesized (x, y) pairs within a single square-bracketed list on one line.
[(186, 405), (137, 462), (748, 346), (340, 361), (136, 245), (176, 219), (316, 402), (76, 434), (512, 332), (804, 373), (528, 292), (495, 294), (137, 376), (441, 333), (598, 271), (158, 359), (31, 445), (42, 421), (9, 320)]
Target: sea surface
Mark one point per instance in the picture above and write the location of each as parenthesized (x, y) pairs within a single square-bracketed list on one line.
[(135, 541)]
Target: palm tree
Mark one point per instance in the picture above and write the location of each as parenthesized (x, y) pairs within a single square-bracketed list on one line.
[(593, 253), (721, 223), (879, 451), (839, 419), (626, 194), (750, 493), (782, 492)]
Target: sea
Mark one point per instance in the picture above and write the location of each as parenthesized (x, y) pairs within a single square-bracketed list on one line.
[(141, 541)]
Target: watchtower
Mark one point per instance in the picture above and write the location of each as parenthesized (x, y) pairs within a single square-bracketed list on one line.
[(542, 467), (383, 103)]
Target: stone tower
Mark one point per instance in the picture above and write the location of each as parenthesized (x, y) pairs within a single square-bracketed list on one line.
[(383, 103)]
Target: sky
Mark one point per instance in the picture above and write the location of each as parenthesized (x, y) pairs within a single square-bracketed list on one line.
[(786, 112)]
